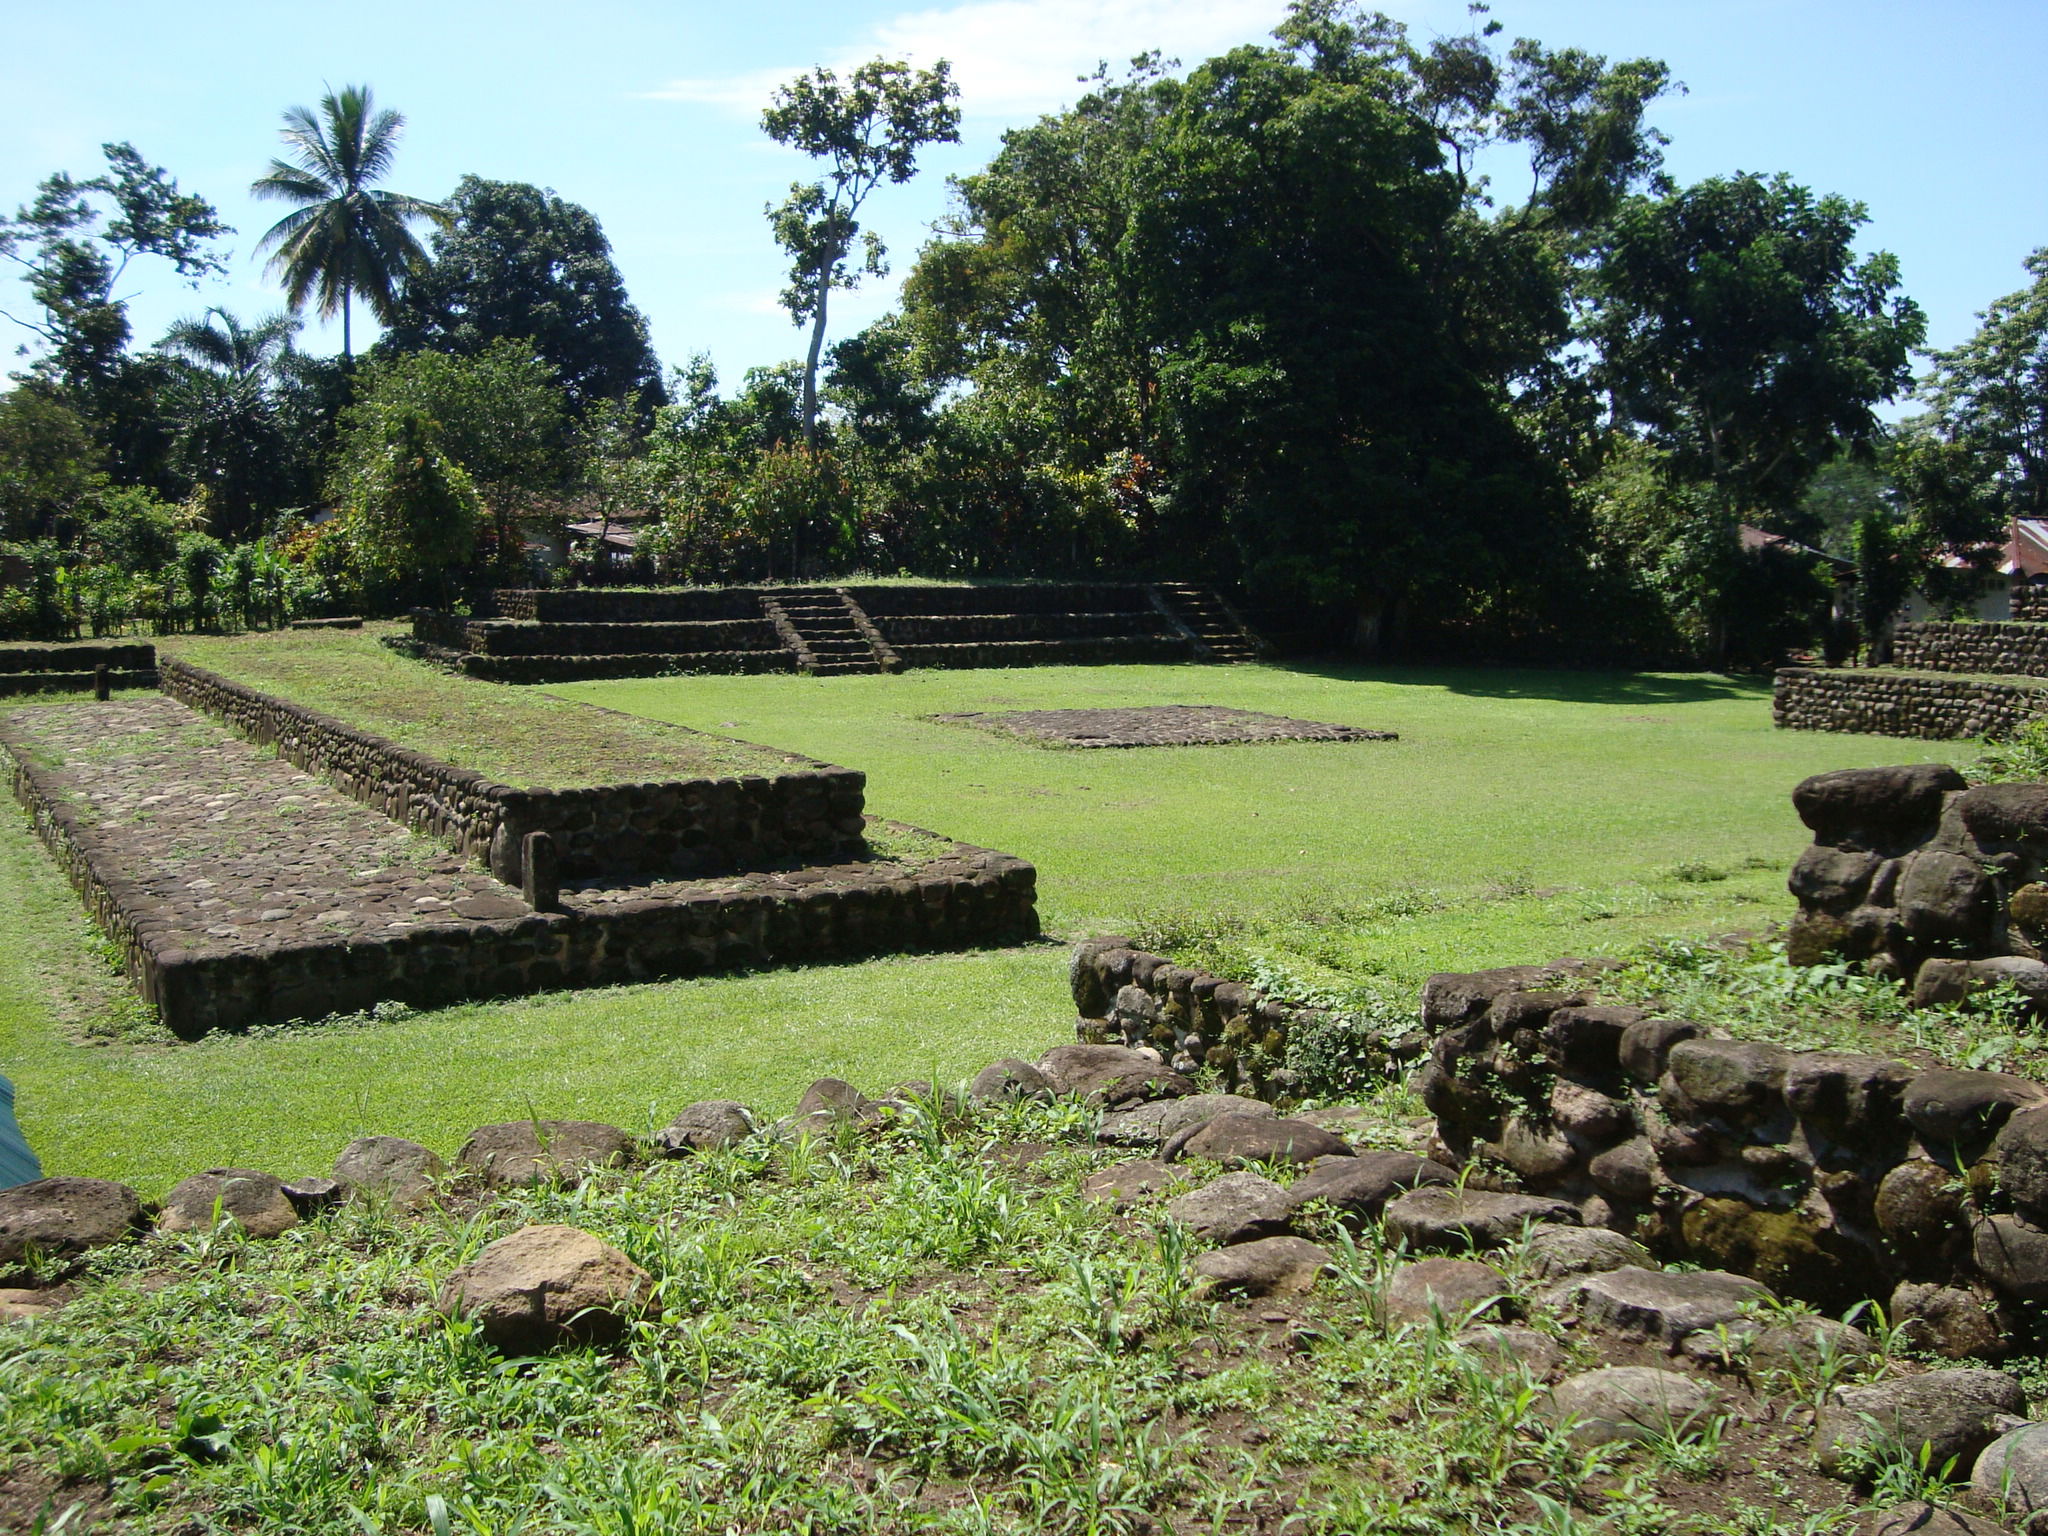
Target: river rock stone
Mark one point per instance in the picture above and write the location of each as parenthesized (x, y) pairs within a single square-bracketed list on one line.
[(1435, 1217), (548, 1285), (1734, 1080), (1454, 1289), (1875, 807), (1662, 1306), (254, 1201), (1923, 1519), (1628, 1402), (60, 1220), (1452, 998), (1010, 1079), (20, 1306), (1585, 1041), (1646, 1046), (1537, 1153), (2012, 1254), (1944, 896), (1272, 1266), (1833, 879), (1150, 1125), (1234, 1139), (1628, 1170), (390, 1168), (2021, 1148), (1359, 1187), (1919, 1206), (1112, 1075), (1127, 1182), (1957, 1322), (705, 1126), (1955, 1413), (1847, 1091), (2012, 1472), (1556, 1252), (1537, 1353), (1953, 1109), (1237, 1208), (526, 1152)]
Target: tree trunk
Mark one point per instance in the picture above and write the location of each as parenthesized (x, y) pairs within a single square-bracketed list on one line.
[(811, 363), (348, 352), (1367, 626)]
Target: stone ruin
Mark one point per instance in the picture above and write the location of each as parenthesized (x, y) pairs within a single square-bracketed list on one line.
[(1916, 875)]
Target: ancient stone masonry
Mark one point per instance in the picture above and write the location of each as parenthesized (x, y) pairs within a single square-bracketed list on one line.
[(1926, 705), (687, 827), (1829, 1175), (2020, 649), (75, 668), (539, 636), (241, 890), (1919, 694), (1195, 1020), (1916, 875)]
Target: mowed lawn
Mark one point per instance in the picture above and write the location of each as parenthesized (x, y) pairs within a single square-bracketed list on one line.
[(1522, 814)]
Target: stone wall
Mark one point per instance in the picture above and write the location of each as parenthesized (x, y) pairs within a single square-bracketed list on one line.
[(1932, 646), (611, 605), (499, 637), (1831, 1176), (811, 813), (893, 602), (1198, 1021), (2030, 601), (969, 897), (1901, 704), (1127, 650), (1916, 875)]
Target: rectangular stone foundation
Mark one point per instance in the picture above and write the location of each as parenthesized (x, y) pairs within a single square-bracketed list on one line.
[(967, 897)]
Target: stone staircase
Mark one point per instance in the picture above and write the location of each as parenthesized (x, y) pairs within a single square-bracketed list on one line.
[(829, 637), (1218, 633), (539, 636)]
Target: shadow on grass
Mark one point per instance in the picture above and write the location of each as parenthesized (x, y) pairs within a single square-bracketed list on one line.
[(1565, 686)]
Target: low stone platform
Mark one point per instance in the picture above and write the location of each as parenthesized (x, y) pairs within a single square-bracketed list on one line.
[(1158, 725), (241, 889), (72, 666)]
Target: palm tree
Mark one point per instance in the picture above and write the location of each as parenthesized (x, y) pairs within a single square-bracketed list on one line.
[(244, 355), (346, 238)]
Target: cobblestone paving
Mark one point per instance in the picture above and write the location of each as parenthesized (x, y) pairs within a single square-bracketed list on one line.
[(1158, 725), (237, 848)]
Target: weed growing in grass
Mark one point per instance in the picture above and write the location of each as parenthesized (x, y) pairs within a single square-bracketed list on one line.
[(891, 1331), (1754, 993)]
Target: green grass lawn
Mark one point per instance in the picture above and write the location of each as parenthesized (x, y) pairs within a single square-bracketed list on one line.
[(518, 736), (1522, 815)]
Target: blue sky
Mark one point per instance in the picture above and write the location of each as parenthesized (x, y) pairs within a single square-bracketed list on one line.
[(648, 114)]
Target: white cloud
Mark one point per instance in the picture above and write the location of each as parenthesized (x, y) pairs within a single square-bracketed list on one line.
[(1018, 58)]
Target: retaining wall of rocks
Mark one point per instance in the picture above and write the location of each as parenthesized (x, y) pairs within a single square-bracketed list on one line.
[(1901, 703), (1935, 646), (967, 898), (1917, 875), (602, 605), (1128, 996), (1830, 1176), (810, 813), (2030, 601)]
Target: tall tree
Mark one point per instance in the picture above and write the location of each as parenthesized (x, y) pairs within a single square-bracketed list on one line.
[(869, 129), (1989, 396), (347, 238), (231, 435), (515, 262), (1737, 327)]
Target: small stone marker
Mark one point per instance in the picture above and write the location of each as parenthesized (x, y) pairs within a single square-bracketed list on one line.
[(102, 684), (540, 880)]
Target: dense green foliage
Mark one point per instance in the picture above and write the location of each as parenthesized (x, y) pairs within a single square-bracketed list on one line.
[(1262, 321), (517, 263)]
